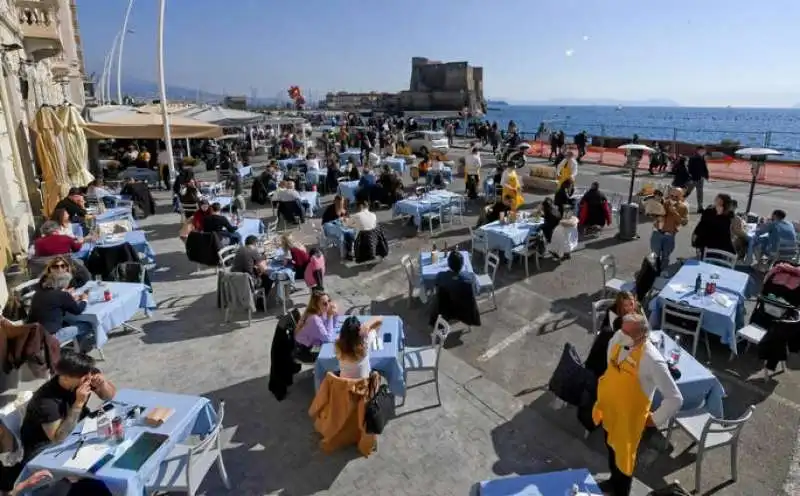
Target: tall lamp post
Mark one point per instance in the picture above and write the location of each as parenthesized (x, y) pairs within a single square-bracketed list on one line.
[(163, 89), (758, 157), (105, 77), (119, 51)]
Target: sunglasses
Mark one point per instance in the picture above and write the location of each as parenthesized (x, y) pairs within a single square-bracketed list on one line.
[(60, 266)]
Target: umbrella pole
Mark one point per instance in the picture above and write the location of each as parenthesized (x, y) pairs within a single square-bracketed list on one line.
[(752, 189)]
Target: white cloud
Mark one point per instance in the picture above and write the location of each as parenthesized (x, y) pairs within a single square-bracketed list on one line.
[(569, 52)]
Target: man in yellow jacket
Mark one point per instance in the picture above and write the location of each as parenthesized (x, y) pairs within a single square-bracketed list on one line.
[(567, 169), (635, 371)]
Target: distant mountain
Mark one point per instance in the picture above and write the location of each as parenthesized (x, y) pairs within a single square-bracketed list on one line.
[(496, 103), (149, 90), (601, 102), (797, 106)]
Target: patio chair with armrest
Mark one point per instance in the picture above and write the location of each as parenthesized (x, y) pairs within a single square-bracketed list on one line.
[(720, 258), (426, 358), (682, 319), (529, 248)]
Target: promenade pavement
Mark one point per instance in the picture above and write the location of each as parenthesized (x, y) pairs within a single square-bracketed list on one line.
[(496, 417)]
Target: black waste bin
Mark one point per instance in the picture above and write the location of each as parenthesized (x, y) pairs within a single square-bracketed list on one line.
[(628, 221)]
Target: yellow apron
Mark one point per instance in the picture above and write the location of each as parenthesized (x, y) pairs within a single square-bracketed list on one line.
[(622, 407), (514, 191), (566, 173)]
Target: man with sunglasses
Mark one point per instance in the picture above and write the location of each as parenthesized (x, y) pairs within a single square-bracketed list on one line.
[(625, 392), (670, 218)]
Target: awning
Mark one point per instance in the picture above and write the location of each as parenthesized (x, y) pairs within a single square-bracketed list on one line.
[(221, 116), (132, 124)]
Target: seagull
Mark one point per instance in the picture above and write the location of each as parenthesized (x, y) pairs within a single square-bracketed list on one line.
[(569, 52)]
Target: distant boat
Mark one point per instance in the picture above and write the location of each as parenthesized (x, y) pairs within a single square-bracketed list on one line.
[(619, 108)]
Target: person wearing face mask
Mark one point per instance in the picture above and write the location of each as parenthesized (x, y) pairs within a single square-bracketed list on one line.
[(625, 392)]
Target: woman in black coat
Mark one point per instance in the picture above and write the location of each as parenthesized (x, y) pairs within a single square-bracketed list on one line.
[(714, 229), (551, 217), (563, 197)]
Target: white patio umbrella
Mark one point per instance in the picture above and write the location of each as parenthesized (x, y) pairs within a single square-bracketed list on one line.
[(629, 147), (75, 146), (757, 157)]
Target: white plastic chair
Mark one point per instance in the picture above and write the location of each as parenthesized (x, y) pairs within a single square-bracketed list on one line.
[(184, 469), (686, 320), (720, 258), (433, 215), (485, 281), (426, 358), (413, 279), (528, 249), (709, 432), (480, 242), (599, 309), (612, 284), (226, 256)]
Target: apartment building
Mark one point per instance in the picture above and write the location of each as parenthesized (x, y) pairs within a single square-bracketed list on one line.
[(42, 63)]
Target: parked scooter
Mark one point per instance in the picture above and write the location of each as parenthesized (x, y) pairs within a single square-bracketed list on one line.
[(516, 157)]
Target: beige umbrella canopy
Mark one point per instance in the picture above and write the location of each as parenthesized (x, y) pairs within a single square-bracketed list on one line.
[(50, 157), (77, 152), (145, 125)]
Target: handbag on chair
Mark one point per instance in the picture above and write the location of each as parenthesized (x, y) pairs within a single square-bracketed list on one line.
[(379, 409)]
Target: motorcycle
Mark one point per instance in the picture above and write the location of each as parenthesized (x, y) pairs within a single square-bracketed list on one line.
[(516, 158)]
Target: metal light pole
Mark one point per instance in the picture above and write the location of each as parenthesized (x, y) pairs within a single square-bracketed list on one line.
[(163, 89), (101, 84), (119, 53), (105, 78)]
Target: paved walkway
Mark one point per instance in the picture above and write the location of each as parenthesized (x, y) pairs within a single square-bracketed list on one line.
[(496, 418)]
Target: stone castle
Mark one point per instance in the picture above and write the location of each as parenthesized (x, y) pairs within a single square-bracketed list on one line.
[(434, 86)]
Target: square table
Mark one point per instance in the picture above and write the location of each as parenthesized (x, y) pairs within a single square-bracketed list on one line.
[(432, 201), (545, 484), (697, 384), (445, 171), (350, 152), (192, 415), (310, 200), (287, 163), (137, 239), (224, 201), (316, 176), (348, 190), (336, 230), (111, 214), (429, 271), (504, 237), (141, 174), (387, 361), (105, 316), (248, 227), (717, 319), (245, 171), (397, 164)]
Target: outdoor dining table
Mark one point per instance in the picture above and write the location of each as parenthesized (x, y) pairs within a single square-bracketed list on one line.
[(505, 236), (137, 239), (350, 152), (104, 316), (310, 200), (415, 206), (697, 384), (140, 174), (245, 171), (316, 176), (287, 163), (387, 361), (119, 213), (721, 317), (336, 230), (445, 171), (191, 416), (429, 270), (544, 484), (249, 227), (397, 164), (224, 201), (348, 190)]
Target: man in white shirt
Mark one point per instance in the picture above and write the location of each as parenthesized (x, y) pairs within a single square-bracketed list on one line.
[(363, 220), (163, 164), (472, 169), (625, 392), (290, 203)]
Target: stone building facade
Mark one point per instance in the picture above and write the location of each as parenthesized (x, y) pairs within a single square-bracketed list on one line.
[(41, 64), (434, 86)]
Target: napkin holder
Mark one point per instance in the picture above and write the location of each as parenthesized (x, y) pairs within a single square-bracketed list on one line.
[(157, 416)]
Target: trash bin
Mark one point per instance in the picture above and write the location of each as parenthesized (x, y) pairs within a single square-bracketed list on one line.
[(628, 221)]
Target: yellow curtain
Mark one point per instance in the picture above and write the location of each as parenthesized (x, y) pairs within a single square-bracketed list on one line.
[(5, 243), (50, 157)]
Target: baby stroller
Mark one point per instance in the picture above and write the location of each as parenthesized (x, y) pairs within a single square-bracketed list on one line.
[(776, 313)]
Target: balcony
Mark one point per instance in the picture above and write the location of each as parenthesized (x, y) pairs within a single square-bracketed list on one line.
[(61, 67), (38, 21)]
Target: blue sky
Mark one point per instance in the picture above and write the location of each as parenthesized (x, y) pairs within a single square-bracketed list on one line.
[(697, 52)]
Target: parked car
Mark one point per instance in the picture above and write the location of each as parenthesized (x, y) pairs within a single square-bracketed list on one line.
[(423, 142)]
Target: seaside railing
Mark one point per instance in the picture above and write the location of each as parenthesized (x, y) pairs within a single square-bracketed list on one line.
[(604, 139)]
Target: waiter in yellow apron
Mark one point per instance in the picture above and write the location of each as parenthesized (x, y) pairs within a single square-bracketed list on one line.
[(567, 169), (624, 396)]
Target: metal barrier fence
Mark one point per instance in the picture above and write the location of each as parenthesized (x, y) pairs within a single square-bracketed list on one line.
[(784, 172)]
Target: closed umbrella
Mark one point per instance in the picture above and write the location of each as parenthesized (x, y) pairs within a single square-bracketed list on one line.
[(75, 146), (50, 157)]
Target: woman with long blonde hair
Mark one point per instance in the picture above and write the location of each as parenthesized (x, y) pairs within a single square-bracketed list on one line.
[(317, 324)]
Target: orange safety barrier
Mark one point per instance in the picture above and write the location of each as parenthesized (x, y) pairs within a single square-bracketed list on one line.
[(775, 173)]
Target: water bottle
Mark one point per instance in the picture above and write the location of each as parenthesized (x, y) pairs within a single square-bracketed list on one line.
[(675, 354), (575, 490), (698, 283)]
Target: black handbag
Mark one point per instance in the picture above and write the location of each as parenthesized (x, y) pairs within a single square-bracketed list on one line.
[(380, 408)]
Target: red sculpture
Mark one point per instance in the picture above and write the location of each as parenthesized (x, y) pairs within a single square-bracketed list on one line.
[(297, 97)]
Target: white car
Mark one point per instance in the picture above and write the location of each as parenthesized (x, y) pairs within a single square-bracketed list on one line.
[(423, 142)]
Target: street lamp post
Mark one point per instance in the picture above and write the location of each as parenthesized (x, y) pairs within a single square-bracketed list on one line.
[(119, 53), (105, 77), (163, 90)]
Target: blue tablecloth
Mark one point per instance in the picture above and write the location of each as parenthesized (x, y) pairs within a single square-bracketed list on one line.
[(504, 237), (104, 316), (717, 319), (141, 174), (316, 176), (288, 163), (310, 200), (350, 152), (211, 189), (137, 239), (121, 213), (249, 227), (245, 171), (336, 230), (397, 164), (386, 361), (192, 415), (546, 484), (224, 201), (697, 383), (446, 172), (430, 202), (428, 270), (348, 190)]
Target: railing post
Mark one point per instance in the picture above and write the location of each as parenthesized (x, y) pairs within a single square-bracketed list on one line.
[(767, 139), (602, 142)]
